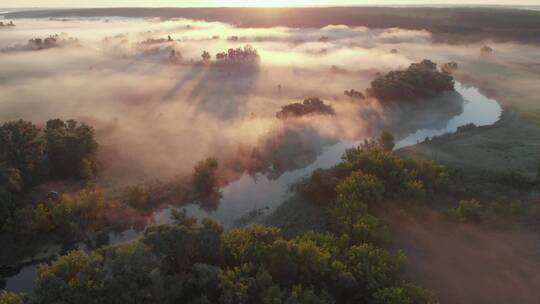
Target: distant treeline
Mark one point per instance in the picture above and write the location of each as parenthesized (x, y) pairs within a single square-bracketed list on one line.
[(447, 24)]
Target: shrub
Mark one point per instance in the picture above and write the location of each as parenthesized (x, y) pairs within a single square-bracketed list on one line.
[(469, 211)]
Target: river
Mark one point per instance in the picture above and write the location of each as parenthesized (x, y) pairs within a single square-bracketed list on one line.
[(262, 193)]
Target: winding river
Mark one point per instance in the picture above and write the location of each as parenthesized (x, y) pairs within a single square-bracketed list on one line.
[(248, 194)]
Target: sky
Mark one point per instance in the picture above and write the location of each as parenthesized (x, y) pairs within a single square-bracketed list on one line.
[(240, 3)]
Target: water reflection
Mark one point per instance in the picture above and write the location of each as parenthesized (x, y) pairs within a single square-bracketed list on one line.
[(248, 194), (264, 192), (477, 109)]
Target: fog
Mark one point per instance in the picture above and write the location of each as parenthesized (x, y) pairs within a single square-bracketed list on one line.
[(472, 263), (156, 117)]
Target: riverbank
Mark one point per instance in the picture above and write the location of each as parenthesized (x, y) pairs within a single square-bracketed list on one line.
[(512, 145)]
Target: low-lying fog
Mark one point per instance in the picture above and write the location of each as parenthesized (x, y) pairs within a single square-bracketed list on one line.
[(157, 115)]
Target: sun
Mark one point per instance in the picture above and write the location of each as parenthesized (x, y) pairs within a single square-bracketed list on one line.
[(271, 3)]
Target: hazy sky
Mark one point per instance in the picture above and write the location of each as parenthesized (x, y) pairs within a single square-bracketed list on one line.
[(191, 3)]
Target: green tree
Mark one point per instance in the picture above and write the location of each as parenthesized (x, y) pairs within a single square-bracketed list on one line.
[(71, 149), (134, 275), (243, 285), (248, 245), (206, 57), (137, 197), (301, 295), (7, 297), (386, 141), (368, 229), (373, 269), (204, 178), (360, 187), (415, 190), (10, 187), (21, 148), (77, 277), (181, 246)]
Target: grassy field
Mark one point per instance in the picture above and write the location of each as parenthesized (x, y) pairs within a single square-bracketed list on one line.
[(511, 145)]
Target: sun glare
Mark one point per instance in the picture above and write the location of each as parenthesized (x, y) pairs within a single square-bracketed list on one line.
[(270, 3)]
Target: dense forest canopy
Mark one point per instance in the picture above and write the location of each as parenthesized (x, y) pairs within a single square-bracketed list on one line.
[(30, 155), (193, 262)]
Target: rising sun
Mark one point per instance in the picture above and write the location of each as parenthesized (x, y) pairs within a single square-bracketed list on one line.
[(272, 3)]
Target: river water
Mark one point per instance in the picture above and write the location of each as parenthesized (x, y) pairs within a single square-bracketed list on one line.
[(248, 194), (262, 193)]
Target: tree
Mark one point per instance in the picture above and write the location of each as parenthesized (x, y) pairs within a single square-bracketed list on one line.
[(7, 297), (449, 67), (419, 80), (206, 57), (10, 187), (21, 148), (373, 269), (301, 295), (248, 245), (133, 271), (71, 149), (204, 177), (360, 187), (310, 106), (137, 197), (182, 246), (77, 277), (415, 190), (368, 229), (353, 94), (386, 141), (486, 50), (243, 285)]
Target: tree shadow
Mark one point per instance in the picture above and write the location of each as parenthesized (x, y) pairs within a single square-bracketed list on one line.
[(223, 90)]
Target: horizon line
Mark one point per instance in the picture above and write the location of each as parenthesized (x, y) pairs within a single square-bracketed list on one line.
[(420, 5)]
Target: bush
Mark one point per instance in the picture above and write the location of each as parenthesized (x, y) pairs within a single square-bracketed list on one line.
[(469, 211)]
